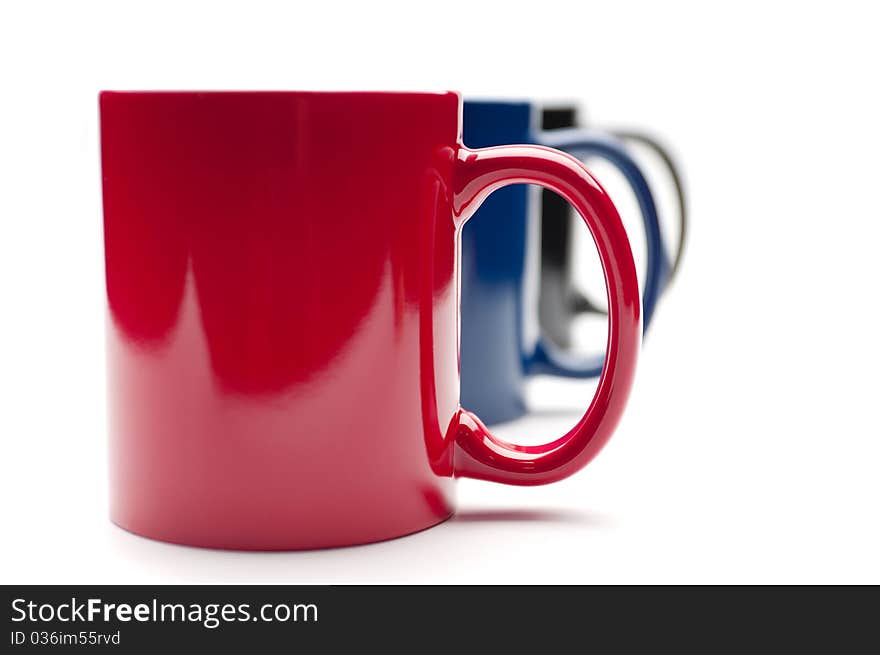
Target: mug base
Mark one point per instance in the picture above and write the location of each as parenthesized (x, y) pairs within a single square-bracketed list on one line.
[(270, 545)]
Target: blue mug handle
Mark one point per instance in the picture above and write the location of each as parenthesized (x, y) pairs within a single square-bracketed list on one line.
[(550, 359)]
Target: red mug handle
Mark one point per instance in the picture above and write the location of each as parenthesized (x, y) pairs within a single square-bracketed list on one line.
[(479, 454)]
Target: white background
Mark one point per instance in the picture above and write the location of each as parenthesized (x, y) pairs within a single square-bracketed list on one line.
[(750, 451)]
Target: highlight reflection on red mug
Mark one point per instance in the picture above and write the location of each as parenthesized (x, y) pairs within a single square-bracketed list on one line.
[(282, 283)]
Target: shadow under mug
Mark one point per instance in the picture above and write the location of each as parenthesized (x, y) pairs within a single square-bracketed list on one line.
[(282, 286), (499, 270)]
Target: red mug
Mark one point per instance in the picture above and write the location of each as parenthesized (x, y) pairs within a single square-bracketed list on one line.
[(282, 284)]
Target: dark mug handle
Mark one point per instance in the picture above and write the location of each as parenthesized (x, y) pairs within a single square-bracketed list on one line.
[(668, 160)]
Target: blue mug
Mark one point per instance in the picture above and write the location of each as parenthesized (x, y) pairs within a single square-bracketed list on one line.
[(497, 272)]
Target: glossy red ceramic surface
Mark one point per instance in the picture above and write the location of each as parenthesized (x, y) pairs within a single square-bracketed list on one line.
[(283, 311)]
